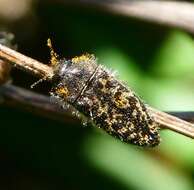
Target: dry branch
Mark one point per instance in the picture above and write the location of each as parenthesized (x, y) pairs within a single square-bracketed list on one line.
[(169, 13), (4, 71), (165, 120), (42, 105), (25, 63), (5, 68)]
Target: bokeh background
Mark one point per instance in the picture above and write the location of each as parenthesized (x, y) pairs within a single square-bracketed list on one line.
[(156, 61)]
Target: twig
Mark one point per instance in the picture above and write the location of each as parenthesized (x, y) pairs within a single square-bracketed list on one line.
[(170, 13), (185, 115), (165, 120), (25, 63), (5, 68), (4, 71), (18, 97)]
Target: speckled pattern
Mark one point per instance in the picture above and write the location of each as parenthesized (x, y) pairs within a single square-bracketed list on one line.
[(96, 93)]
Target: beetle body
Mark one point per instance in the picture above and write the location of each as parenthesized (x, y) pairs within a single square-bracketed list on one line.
[(98, 95)]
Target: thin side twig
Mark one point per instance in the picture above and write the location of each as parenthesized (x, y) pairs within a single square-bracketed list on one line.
[(165, 120), (13, 96)]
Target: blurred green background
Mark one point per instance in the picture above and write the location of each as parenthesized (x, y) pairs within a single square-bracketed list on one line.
[(156, 61)]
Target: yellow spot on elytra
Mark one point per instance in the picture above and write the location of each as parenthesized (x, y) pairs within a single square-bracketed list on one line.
[(121, 101), (102, 109), (103, 82), (54, 56), (62, 91), (123, 130)]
